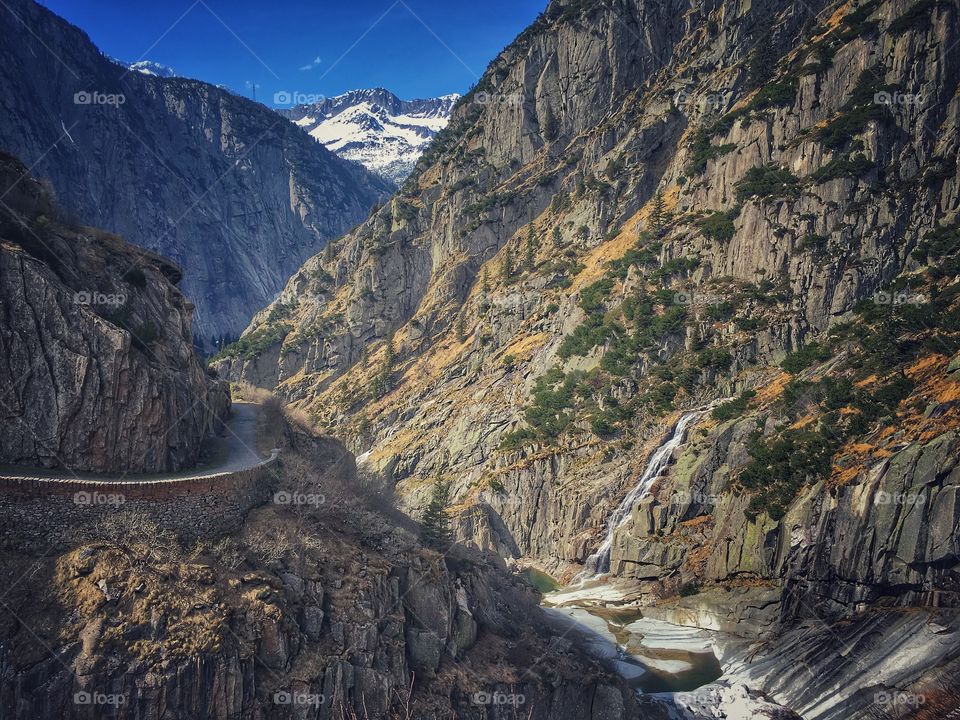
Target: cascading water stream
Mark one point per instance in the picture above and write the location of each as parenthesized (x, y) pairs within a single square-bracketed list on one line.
[(652, 655), (599, 562)]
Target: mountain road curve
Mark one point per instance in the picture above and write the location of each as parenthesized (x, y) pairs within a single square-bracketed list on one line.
[(235, 449)]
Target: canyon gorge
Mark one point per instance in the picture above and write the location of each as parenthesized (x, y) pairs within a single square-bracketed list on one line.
[(666, 321)]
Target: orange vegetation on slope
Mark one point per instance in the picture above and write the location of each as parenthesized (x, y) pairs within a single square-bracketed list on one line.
[(912, 423), (769, 392), (595, 263)]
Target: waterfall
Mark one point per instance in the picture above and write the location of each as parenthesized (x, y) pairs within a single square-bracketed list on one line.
[(599, 562)]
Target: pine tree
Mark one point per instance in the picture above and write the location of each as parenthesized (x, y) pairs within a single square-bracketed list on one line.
[(506, 268), (461, 329), (389, 355), (549, 125), (763, 61), (384, 379), (658, 214), (557, 237), (530, 257), (435, 525), (328, 252)]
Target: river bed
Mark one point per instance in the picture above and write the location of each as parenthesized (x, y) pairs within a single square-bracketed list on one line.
[(652, 655)]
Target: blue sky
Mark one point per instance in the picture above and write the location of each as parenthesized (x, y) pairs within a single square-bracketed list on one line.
[(415, 48)]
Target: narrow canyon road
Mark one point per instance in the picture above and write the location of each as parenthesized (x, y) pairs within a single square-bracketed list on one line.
[(240, 438), (234, 450)]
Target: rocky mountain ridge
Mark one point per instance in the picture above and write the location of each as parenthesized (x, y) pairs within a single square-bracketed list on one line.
[(219, 184), (374, 127), (652, 208)]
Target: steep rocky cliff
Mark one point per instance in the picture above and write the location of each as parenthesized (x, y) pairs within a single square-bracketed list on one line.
[(221, 185), (318, 608), (656, 207), (657, 235), (98, 370)]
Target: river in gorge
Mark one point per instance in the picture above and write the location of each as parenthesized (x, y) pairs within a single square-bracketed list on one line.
[(602, 614), (652, 655)]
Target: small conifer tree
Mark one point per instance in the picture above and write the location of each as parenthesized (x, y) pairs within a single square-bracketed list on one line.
[(530, 254), (658, 214), (435, 525), (549, 128), (384, 380), (506, 268)]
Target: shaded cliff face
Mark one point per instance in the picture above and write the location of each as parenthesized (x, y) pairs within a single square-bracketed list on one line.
[(667, 203), (223, 186), (99, 371), (324, 609)]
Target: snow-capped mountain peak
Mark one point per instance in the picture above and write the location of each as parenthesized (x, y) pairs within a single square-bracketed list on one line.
[(148, 67), (376, 128)]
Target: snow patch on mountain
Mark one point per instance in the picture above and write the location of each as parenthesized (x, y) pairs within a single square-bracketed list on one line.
[(376, 128)]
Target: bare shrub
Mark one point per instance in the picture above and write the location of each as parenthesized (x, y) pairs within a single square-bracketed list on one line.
[(226, 550), (377, 491), (245, 392), (300, 420), (271, 544), (136, 533)]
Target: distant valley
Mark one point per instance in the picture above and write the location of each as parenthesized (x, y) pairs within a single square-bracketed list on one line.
[(217, 183)]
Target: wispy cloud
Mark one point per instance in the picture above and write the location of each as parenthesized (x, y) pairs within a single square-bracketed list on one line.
[(315, 63)]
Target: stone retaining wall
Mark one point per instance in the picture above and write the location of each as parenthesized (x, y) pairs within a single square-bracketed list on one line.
[(40, 511)]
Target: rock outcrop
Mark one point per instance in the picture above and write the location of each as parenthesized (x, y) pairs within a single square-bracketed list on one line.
[(764, 200), (99, 371), (224, 186)]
